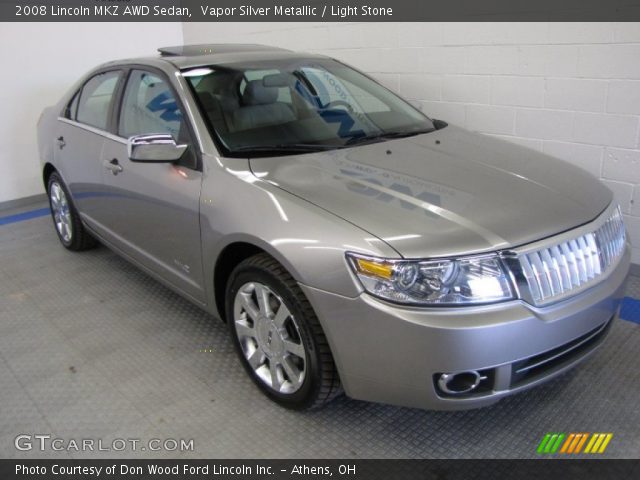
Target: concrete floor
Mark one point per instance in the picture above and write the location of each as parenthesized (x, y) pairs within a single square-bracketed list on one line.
[(91, 347)]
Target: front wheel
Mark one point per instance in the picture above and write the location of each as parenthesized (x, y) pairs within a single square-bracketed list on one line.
[(66, 219), (278, 336)]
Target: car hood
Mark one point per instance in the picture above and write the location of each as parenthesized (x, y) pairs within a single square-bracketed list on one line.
[(449, 192)]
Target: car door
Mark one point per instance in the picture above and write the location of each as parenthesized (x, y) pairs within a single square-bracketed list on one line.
[(79, 140), (151, 210)]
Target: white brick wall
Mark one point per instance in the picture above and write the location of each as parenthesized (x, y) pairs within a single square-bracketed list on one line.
[(571, 90), (41, 62)]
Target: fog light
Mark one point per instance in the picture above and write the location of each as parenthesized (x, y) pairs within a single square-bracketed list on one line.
[(461, 382)]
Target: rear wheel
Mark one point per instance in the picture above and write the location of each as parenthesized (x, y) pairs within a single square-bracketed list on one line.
[(278, 336), (66, 219)]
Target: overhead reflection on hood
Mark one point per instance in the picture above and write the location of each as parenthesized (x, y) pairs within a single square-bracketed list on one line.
[(452, 193), (384, 185)]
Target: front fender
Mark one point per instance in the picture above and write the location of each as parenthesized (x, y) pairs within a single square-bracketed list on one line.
[(308, 241)]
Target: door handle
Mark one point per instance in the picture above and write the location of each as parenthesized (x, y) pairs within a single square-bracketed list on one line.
[(60, 142), (114, 166)]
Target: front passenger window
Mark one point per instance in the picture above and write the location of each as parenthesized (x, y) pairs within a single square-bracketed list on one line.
[(150, 107)]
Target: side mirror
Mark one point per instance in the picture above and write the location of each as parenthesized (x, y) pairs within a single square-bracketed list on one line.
[(156, 147), (439, 124)]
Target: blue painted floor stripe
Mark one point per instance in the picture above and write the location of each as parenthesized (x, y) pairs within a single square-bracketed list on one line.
[(630, 310), (20, 217)]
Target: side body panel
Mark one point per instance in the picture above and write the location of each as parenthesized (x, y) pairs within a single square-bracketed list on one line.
[(151, 212), (79, 164)]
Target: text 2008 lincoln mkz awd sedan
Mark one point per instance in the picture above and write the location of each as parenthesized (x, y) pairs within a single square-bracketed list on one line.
[(349, 241)]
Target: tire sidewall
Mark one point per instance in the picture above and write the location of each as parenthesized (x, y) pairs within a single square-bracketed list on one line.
[(305, 395), (55, 178)]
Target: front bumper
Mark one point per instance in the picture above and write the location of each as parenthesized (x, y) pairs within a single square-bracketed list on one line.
[(391, 354)]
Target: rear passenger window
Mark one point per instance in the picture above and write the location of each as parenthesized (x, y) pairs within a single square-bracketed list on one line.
[(95, 100)]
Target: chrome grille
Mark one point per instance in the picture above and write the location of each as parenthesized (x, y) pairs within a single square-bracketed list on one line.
[(565, 267)]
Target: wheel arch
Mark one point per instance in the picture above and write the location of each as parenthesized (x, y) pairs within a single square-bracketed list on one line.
[(230, 256), (47, 170)]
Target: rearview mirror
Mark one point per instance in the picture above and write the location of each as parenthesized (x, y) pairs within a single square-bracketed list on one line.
[(156, 147)]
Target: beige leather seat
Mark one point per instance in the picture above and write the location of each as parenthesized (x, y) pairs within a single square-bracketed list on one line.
[(261, 108)]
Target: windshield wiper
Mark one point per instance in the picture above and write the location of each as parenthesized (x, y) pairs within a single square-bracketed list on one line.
[(387, 136), (285, 147), (291, 148)]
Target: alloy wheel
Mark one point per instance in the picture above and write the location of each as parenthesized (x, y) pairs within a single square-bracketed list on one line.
[(61, 211), (270, 338)]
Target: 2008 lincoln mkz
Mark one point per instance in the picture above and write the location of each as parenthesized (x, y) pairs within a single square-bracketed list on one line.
[(350, 242)]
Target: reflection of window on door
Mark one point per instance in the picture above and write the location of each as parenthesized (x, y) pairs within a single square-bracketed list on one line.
[(150, 107), (95, 100)]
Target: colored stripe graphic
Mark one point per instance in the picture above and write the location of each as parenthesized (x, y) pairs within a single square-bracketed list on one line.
[(598, 443), (605, 443), (556, 446), (582, 440), (591, 442), (567, 442), (578, 440), (596, 446), (543, 443), (572, 443), (550, 443)]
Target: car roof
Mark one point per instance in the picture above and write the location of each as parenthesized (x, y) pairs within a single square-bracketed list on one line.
[(190, 56), (215, 49)]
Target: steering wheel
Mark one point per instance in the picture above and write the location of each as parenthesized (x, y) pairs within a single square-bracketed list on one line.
[(339, 103)]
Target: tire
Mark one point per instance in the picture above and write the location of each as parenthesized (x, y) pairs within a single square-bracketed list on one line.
[(294, 347), (66, 220)]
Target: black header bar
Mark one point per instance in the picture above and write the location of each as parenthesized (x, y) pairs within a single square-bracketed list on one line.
[(318, 10)]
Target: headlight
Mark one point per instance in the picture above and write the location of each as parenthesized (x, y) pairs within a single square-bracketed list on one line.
[(459, 281)]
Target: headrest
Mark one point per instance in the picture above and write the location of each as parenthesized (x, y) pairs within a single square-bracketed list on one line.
[(257, 94), (277, 80)]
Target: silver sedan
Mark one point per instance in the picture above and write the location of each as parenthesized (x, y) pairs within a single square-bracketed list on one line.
[(350, 242)]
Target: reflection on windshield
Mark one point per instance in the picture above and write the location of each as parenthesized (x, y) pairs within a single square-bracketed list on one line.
[(278, 107)]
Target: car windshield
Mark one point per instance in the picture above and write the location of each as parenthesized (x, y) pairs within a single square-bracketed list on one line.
[(279, 107)]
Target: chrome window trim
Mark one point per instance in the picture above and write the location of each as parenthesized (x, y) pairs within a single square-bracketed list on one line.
[(181, 90), (95, 130), (192, 114)]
